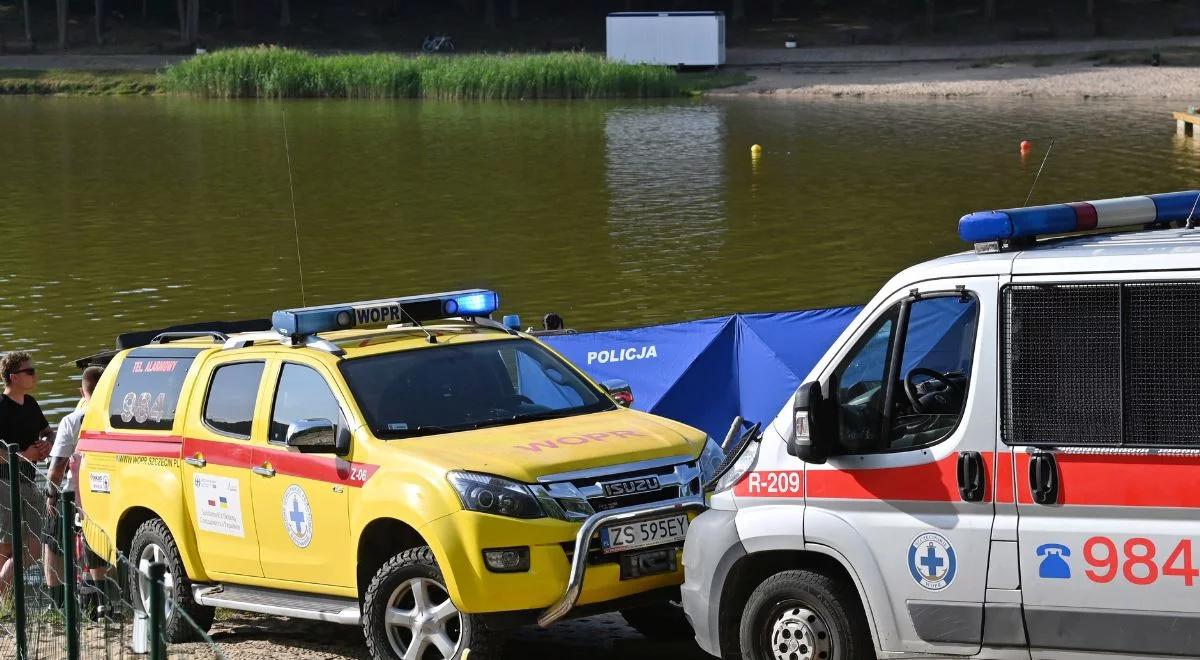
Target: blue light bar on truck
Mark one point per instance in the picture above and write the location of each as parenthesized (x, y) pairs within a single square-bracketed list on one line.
[(311, 320), (1032, 221)]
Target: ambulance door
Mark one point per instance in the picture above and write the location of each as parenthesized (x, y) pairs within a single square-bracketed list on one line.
[(216, 468), (908, 500), (1101, 407), (302, 500)]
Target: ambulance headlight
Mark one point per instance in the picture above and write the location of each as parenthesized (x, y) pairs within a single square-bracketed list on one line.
[(710, 460), (735, 466), (488, 494)]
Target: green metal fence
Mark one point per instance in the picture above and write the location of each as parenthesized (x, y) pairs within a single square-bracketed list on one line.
[(72, 603)]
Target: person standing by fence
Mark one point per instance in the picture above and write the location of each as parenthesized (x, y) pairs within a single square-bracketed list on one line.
[(23, 424), (65, 441)]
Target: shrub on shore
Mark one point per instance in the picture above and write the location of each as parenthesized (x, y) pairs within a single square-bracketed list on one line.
[(284, 73)]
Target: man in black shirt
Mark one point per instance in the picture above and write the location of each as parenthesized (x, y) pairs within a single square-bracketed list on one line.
[(21, 423)]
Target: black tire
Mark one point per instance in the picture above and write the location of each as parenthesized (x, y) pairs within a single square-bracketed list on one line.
[(825, 611), (663, 621), (178, 629), (418, 563)]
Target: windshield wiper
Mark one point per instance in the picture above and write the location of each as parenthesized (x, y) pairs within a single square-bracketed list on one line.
[(548, 414), (416, 431)]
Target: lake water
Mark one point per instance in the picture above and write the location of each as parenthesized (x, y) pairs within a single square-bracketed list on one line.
[(125, 213)]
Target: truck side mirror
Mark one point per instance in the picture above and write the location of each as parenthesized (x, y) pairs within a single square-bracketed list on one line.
[(619, 390), (809, 442), (318, 436)]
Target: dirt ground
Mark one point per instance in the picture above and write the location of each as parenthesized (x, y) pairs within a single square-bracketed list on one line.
[(244, 636), (1029, 78), (247, 636)]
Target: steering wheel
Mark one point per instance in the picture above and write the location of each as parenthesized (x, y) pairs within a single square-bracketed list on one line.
[(910, 388)]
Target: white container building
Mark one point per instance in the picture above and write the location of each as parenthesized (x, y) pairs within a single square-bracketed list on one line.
[(674, 38)]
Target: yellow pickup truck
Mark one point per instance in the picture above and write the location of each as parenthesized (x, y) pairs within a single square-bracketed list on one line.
[(407, 465)]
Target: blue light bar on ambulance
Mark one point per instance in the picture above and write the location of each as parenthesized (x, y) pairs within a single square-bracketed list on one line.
[(311, 320), (1033, 221)]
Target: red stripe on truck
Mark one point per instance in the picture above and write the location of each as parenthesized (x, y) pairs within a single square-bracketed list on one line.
[(236, 454)]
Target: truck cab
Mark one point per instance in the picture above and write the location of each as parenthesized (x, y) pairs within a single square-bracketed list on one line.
[(994, 460), (405, 465)]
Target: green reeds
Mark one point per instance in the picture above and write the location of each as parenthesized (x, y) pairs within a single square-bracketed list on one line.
[(283, 73)]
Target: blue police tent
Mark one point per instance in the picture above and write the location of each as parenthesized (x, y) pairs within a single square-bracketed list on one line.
[(705, 372)]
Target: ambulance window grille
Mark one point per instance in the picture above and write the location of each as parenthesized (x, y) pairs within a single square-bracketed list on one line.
[(1061, 379), (1162, 364)]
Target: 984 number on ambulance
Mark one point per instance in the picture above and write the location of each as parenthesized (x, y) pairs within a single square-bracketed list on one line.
[(619, 538)]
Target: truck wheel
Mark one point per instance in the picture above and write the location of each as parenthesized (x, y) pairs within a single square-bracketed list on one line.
[(664, 621), (803, 615), (153, 543), (408, 614)]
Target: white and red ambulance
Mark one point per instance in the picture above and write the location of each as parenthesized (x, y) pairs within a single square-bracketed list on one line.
[(999, 458)]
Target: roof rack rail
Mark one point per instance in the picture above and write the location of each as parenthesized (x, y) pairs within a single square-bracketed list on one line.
[(167, 337)]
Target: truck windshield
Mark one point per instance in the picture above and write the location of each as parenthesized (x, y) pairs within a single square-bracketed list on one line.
[(461, 387)]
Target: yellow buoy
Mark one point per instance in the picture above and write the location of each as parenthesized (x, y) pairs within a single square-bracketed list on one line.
[(755, 149)]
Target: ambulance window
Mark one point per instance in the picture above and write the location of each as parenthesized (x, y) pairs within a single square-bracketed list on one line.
[(859, 383), (302, 394), (229, 408), (935, 370), (147, 390)]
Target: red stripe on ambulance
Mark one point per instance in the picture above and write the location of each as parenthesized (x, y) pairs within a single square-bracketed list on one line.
[(1162, 480)]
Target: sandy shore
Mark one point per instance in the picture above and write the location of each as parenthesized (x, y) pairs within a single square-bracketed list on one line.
[(1081, 80)]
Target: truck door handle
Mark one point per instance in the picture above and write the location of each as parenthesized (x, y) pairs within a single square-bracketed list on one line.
[(263, 470), (1044, 478), (972, 480), (196, 460)]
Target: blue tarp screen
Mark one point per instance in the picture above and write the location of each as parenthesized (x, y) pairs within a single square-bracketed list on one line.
[(705, 372)]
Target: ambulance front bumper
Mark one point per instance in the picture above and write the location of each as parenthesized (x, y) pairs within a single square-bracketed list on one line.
[(584, 536), (712, 548)]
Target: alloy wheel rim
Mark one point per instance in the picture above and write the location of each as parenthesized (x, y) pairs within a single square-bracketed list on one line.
[(419, 618), (798, 633), (152, 554)]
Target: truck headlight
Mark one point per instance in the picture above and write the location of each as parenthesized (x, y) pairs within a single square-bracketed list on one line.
[(740, 461), (489, 494), (710, 460)]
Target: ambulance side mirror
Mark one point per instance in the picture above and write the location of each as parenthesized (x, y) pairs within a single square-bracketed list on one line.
[(809, 442), (318, 436)]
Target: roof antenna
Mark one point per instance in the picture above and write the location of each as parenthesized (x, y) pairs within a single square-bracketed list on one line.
[(1039, 173), (1191, 223), (428, 335), (295, 223)]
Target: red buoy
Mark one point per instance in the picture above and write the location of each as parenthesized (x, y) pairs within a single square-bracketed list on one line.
[(1026, 145)]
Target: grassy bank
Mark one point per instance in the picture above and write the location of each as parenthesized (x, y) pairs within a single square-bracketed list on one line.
[(82, 83), (284, 73)]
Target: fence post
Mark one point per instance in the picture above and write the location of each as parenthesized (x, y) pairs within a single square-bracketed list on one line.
[(70, 588), (18, 546), (158, 642)]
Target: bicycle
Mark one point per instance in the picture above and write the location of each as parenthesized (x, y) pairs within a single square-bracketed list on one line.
[(437, 43)]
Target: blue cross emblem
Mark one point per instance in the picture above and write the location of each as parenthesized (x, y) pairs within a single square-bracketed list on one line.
[(297, 517), (931, 562), (296, 513)]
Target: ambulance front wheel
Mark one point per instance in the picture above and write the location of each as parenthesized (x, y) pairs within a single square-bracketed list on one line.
[(407, 613), (804, 615), (152, 544)]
